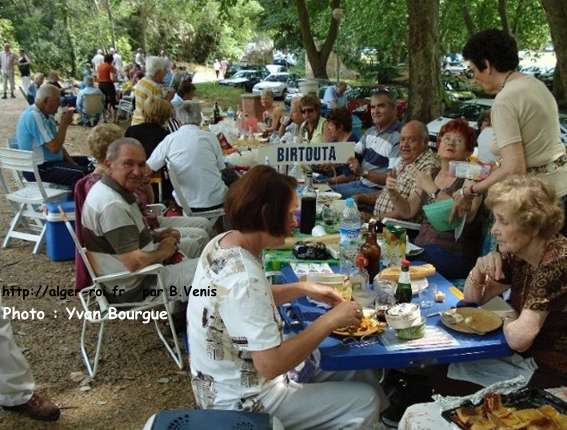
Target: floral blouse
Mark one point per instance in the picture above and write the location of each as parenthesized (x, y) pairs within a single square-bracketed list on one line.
[(544, 289)]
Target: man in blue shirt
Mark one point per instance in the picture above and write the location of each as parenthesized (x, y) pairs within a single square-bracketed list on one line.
[(335, 95), (88, 90), (31, 91), (377, 152), (36, 130)]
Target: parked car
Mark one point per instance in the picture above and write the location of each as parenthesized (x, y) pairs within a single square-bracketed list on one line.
[(456, 91), (279, 83), (233, 68), (245, 79), (358, 100), (276, 68), (470, 110), (294, 91)]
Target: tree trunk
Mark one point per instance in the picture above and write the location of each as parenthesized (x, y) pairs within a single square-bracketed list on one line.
[(558, 88), (424, 68), (69, 36), (503, 15), (556, 12), (516, 22), (469, 24), (111, 20), (317, 57)]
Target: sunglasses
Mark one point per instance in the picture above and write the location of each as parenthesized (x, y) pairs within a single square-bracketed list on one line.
[(307, 110)]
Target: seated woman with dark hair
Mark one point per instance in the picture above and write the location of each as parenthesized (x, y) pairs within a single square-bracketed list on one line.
[(239, 357), (453, 259)]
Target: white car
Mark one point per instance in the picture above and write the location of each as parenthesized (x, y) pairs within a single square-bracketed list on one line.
[(470, 110), (278, 83), (563, 127)]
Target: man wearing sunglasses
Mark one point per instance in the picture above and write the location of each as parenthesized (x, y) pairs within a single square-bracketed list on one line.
[(377, 152)]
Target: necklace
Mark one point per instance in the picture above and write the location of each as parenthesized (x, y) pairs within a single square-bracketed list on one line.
[(506, 78)]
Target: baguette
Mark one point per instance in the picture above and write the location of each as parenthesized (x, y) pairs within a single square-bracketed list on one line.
[(416, 272), (327, 240)]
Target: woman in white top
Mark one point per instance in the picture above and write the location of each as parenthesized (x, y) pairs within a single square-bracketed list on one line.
[(525, 116), (239, 357)]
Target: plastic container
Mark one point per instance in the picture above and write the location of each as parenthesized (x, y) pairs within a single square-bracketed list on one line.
[(349, 233), (438, 213), (468, 170), (60, 246)]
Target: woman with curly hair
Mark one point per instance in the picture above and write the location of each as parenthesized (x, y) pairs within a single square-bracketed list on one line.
[(453, 259)]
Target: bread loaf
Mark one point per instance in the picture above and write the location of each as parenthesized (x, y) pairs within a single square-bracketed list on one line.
[(416, 272)]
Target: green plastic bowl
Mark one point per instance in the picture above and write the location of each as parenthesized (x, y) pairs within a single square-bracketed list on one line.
[(437, 214)]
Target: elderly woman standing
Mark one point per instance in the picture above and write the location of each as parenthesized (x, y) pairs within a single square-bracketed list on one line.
[(239, 357), (149, 85), (525, 116), (313, 124)]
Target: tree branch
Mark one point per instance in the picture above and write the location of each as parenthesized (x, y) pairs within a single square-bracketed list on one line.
[(332, 34), (305, 26), (469, 24), (503, 15)]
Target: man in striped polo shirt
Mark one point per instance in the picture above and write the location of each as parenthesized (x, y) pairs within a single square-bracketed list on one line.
[(377, 152), (36, 130)]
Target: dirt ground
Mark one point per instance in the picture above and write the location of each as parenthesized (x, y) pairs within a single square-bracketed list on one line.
[(136, 376)]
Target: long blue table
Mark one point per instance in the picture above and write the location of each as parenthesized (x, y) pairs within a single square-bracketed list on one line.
[(372, 354)]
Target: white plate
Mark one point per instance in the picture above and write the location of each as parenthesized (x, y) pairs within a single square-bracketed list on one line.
[(412, 250)]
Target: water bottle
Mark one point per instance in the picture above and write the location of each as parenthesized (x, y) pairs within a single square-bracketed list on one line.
[(349, 232)]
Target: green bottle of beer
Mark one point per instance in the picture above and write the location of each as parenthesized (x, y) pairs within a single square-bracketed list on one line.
[(403, 290)]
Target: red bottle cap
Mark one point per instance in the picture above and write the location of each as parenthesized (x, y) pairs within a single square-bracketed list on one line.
[(406, 263)]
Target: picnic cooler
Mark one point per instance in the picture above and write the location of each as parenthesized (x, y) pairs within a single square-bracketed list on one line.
[(60, 246)]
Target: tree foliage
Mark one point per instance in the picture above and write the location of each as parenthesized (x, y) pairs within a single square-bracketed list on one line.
[(63, 34)]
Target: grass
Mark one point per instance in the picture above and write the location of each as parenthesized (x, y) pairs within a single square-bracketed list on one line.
[(211, 92)]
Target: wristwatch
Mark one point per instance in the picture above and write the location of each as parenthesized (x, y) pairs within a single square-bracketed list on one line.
[(434, 194)]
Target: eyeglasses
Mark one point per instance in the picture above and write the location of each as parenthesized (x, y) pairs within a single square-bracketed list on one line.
[(469, 74), (308, 110)]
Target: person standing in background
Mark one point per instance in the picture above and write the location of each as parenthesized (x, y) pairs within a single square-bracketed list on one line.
[(7, 62), (24, 64)]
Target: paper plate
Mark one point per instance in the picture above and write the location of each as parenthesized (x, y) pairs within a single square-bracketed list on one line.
[(474, 320), (373, 327)]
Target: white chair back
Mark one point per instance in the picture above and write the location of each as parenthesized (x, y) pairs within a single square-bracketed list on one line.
[(93, 104), (18, 161)]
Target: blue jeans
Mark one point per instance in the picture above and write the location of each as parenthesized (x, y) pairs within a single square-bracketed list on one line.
[(62, 172), (349, 189)]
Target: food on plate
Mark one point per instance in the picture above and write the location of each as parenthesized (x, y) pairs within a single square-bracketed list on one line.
[(367, 326), (439, 296), (491, 414), (416, 272)]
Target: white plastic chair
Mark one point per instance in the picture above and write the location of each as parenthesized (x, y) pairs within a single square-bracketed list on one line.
[(97, 307), (26, 198), (93, 105), (211, 215), (125, 106)]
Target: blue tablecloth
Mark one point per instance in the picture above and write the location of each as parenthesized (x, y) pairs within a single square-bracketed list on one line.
[(372, 354)]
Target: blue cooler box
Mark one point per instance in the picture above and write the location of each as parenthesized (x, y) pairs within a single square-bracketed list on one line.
[(60, 246)]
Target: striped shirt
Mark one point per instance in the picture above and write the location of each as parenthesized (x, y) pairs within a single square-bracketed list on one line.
[(426, 161), (144, 88), (112, 224), (380, 150), (34, 129)]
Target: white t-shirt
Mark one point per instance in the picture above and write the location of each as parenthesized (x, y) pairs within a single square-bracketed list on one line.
[(224, 328), (197, 158)]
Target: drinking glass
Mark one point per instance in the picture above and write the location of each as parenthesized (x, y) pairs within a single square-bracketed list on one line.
[(426, 296), (330, 218)]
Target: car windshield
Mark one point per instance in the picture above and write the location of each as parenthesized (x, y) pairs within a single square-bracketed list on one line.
[(244, 74), (277, 78)]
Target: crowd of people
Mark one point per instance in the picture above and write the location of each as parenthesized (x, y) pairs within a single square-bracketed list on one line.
[(240, 357)]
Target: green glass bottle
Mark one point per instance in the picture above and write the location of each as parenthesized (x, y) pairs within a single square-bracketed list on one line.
[(403, 290)]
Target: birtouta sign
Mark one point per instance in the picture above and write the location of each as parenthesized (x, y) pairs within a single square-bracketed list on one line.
[(322, 153)]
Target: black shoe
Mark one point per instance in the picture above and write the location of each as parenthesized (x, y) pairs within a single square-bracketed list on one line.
[(13, 96), (405, 394), (4, 96)]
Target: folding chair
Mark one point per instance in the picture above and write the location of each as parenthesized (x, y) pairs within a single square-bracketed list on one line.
[(25, 94), (26, 198), (125, 106), (93, 107), (211, 215), (97, 308)]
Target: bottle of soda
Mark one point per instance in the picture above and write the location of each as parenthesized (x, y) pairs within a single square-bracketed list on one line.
[(216, 113), (308, 205), (371, 251), (403, 290)]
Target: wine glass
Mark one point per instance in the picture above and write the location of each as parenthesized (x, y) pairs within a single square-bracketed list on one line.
[(426, 295)]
